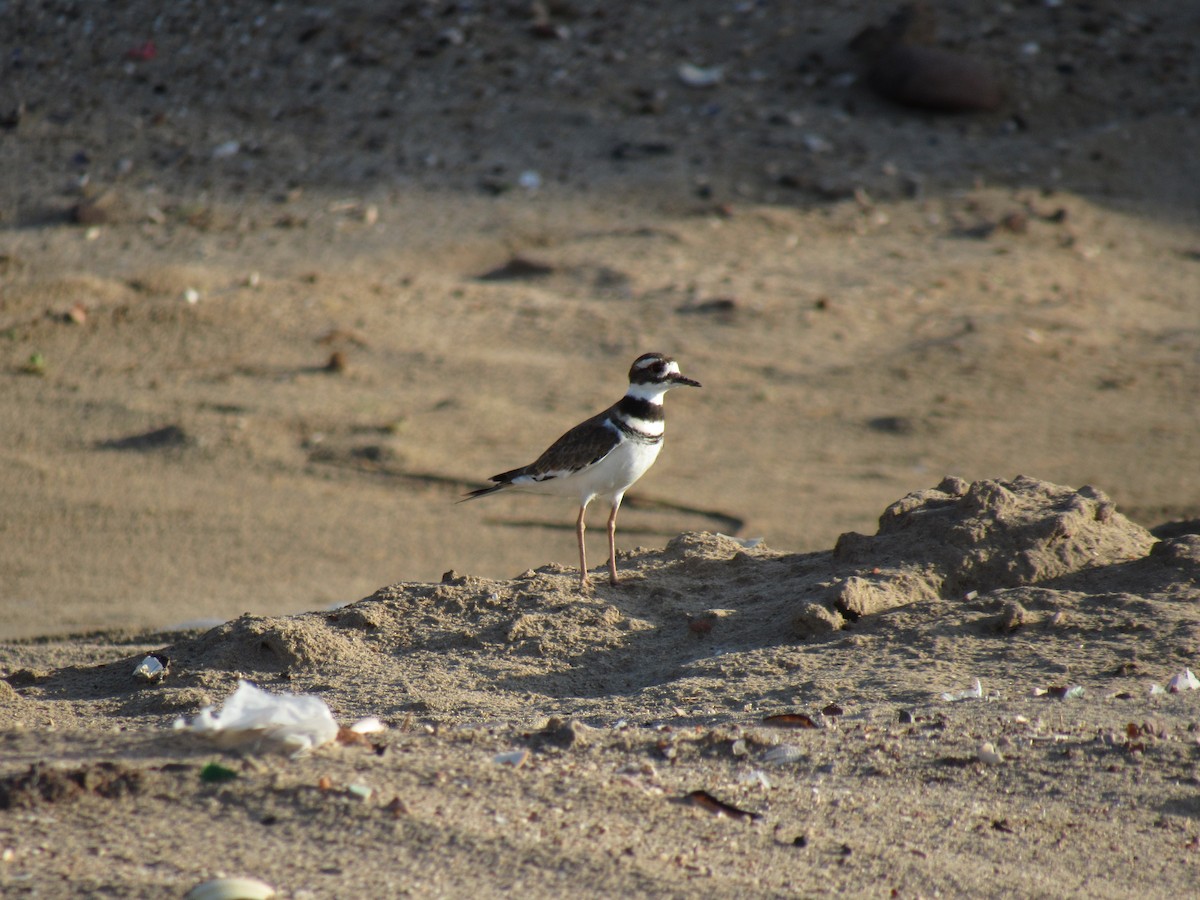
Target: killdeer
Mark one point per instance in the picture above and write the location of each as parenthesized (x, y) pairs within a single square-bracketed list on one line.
[(606, 454)]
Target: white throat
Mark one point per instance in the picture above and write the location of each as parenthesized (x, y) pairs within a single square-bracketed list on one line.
[(649, 392)]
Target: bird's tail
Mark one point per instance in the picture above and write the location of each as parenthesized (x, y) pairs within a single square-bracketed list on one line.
[(503, 480), (483, 492)]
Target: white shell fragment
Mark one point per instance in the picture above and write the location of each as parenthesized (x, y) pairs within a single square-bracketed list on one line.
[(989, 755), (514, 758), (748, 543), (231, 889), (972, 693), (150, 670), (756, 777), (1184, 681), (226, 150), (289, 723), (700, 76), (783, 755), (369, 725)]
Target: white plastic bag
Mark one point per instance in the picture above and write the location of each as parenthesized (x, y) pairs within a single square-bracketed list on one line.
[(288, 723)]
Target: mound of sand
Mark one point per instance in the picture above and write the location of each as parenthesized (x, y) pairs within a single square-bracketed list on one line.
[(470, 648)]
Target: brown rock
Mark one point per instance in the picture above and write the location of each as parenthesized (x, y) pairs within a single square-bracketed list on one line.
[(934, 79)]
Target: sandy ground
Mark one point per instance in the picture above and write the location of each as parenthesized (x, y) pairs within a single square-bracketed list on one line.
[(259, 330)]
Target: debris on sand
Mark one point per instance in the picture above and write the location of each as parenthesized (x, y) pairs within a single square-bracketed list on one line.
[(254, 718), (1183, 681), (975, 692), (707, 801), (231, 889), (989, 755), (904, 68), (152, 669)]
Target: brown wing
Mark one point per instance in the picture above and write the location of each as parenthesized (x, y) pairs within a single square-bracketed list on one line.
[(583, 445)]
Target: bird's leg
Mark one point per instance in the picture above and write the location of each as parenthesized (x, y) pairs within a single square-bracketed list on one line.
[(612, 543), (579, 529)]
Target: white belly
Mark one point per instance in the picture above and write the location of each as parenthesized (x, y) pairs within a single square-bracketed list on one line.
[(607, 479)]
